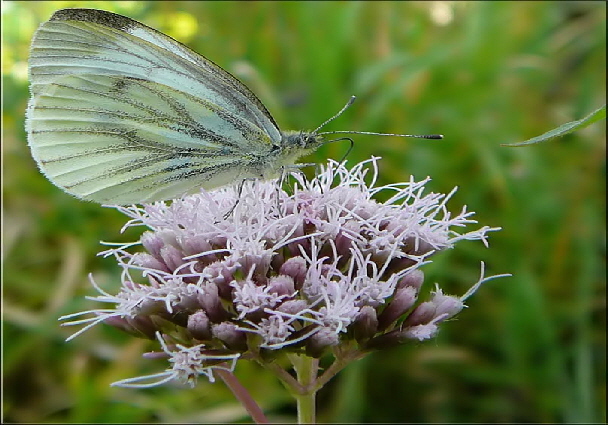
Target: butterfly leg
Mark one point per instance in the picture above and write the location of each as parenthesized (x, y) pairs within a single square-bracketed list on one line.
[(239, 192)]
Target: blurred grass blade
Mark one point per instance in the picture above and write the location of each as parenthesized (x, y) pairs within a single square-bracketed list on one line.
[(564, 129)]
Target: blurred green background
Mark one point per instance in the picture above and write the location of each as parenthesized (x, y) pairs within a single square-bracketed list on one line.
[(531, 348)]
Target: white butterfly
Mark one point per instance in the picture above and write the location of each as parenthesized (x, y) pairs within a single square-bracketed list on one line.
[(121, 113)]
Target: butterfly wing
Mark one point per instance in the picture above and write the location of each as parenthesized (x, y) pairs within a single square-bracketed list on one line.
[(121, 113)]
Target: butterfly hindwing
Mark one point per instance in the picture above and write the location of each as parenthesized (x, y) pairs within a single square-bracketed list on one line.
[(122, 140)]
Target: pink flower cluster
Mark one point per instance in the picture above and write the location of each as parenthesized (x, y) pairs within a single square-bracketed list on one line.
[(302, 271)]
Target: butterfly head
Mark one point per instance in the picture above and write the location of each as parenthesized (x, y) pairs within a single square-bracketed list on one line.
[(295, 144)]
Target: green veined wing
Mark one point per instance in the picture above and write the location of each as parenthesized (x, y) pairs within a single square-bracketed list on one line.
[(121, 113)]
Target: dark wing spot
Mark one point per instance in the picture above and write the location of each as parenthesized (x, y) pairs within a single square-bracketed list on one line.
[(101, 17)]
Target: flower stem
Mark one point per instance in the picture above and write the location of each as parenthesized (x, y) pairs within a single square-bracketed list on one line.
[(243, 396), (306, 369), (339, 363)]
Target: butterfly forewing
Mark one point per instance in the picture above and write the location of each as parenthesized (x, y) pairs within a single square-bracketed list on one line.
[(121, 113)]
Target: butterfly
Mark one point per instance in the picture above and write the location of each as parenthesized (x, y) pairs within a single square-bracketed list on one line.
[(122, 114)]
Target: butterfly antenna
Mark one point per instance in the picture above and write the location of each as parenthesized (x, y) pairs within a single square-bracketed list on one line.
[(350, 102), (419, 136)]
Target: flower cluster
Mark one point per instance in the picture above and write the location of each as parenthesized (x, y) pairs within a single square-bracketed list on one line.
[(309, 271)]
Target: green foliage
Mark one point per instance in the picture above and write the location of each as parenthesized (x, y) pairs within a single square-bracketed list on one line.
[(567, 128), (530, 348)]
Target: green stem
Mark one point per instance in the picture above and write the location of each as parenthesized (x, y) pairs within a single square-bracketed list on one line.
[(339, 363), (306, 369), (285, 378)]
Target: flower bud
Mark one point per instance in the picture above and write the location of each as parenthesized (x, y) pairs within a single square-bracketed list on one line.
[(344, 238), (209, 299), (414, 278), (281, 285), (221, 274), (446, 304), (292, 306), (421, 332), (260, 263), (152, 242), (318, 342), (422, 314), (233, 338), (440, 305), (384, 341), (140, 326), (197, 244), (366, 323), (295, 246), (404, 299), (146, 260), (199, 325), (171, 256), (124, 325), (417, 246), (147, 307), (399, 264), (144, 324), (295, 267)]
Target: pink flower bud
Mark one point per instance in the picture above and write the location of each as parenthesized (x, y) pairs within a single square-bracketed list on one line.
[(344, 238), (424, 313), (421, 332), (211, 303), (292, 306), (281, 285), (199, 325), (230, 335), (366, 323), (297, 268), (152, 242), (171, 256), (404, 299), (146, 260), (321, 340), (415, 278), (446, 304), (195, 245)]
